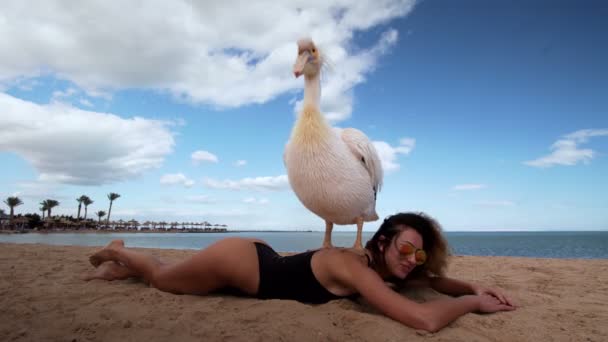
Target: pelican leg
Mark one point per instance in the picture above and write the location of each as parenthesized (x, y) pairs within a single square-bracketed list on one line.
[(358, 245), (329, 226)]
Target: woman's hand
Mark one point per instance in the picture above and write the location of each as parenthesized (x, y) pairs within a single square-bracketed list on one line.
[(489, 304), (498, 294)]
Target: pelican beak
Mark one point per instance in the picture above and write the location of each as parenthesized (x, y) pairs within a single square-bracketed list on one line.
[(298, 68)]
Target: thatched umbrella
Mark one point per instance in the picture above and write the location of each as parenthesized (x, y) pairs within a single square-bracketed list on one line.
[(63, 223), (133, 223), (20, 222)]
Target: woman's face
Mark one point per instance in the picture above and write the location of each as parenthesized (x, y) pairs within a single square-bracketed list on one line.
[(399, 264)]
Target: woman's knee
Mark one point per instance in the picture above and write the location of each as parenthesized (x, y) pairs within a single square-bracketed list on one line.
[(164, 280)]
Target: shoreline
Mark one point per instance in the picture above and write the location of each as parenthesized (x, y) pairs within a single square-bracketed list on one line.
[(196, 231), (104, 231), (286, 252)]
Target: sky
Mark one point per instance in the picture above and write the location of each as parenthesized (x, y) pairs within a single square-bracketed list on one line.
[(487, 115)]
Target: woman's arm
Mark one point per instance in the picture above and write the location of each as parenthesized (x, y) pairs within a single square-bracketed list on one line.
[(455, 287), (430, 316)]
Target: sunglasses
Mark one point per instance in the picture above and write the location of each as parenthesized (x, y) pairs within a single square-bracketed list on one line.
[(408, 249)]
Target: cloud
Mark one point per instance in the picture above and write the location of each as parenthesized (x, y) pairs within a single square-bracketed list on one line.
[(200, 52), (583, 135), (566, 150), (60, 94), (25, 84), (38, 191), (203, 156), (181, 214), (253, 200), (468, 187), (175, 179), (239, 163), (277, 183), (73, 146), (337, 89), (86, 102), (388, 154)]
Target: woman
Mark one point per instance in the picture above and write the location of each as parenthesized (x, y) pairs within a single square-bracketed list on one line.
[(408, 250)]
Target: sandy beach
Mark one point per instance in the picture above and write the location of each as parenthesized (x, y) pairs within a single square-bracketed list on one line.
[(43, 299)]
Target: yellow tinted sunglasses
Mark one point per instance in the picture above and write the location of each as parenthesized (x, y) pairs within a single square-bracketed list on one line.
[(408, 248)]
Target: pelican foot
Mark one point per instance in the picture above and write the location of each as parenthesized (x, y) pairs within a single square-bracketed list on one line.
[(359, 250)]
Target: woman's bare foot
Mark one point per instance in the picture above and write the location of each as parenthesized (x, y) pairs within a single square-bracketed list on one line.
[(109, 270), (106, 253)]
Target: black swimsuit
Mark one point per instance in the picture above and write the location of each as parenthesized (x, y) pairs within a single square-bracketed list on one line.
[(289, 277)]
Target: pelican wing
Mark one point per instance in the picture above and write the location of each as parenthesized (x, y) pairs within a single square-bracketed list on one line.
[(360, 145)]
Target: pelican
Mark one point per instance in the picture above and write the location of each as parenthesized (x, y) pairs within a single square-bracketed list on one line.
[(335, 173)]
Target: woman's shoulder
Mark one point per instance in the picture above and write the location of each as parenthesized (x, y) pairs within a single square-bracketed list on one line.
[(345, 255), (344, 263)]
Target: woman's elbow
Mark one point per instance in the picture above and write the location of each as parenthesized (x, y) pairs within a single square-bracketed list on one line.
[(431, 326), (425, 322)]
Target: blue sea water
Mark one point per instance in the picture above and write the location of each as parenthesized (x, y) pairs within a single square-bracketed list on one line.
[(587, 245)]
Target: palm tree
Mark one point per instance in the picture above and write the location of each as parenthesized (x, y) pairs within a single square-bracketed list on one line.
[(79, 200), (111, 196), (86, 201), (100, 214), (13, 202), (49, 204), (43, 207)]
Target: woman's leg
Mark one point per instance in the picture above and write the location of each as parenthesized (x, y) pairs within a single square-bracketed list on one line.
[(140, 264), (229, 262)]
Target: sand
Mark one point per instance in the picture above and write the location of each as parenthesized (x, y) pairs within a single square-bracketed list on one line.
[(43, 299)]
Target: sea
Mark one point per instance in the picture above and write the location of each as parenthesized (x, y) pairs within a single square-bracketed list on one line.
[(541, 244)]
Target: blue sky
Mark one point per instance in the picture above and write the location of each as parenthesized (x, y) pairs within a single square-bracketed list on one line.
[(486, 115)]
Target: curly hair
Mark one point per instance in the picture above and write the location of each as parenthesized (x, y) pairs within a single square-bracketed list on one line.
[(433, 241)]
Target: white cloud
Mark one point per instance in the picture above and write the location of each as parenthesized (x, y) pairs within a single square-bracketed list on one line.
[(37, 191), (337, 89), (74, 146), (175, 179), (566, 151), (203, 156), (86, 102), (202, 52), (60, 94), (253, 200), (239, 163), (25, 84), (461, 187), (257, 184), (583, 135), (181, 214), (388, 154)]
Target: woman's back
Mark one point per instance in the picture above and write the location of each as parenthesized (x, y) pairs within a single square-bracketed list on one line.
[(306, 277)]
